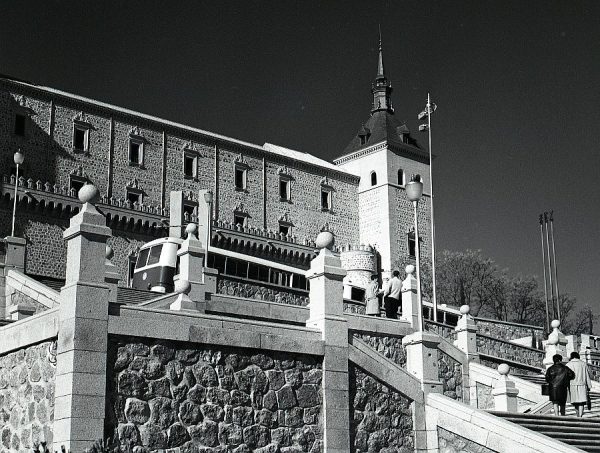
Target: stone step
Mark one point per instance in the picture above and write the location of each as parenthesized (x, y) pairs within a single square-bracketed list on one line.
[(583, 433)]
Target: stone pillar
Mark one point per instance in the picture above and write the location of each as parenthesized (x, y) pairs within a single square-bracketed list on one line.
[(326, 314), (111, 277), (80, 392), (176, 214), (504, 391), (466, 341), (183, 301), (15, 253), (191, 256), (410, 302), (556, 344), (422, 359)]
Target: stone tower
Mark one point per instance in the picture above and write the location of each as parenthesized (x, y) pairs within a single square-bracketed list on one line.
[(385, 155)]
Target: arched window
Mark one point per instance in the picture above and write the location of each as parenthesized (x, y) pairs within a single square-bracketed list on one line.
[(400, 177), (373, 178)]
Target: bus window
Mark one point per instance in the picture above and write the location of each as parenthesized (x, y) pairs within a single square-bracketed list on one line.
[(154, 257), (142, 258)]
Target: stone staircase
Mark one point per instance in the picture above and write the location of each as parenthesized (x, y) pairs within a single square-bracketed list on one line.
[(581, 433)]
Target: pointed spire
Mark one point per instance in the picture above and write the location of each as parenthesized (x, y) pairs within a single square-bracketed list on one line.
[(380, 71), (381, 88)]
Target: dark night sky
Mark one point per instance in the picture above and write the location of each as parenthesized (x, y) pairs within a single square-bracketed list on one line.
[(517, 86)]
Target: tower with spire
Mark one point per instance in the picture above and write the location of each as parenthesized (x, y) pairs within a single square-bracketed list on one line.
[(385, 155)]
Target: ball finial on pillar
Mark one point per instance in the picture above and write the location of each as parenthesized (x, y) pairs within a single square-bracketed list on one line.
[(465, 310), (555, 324), (503, 369), (183, 286), (88, 194), (325, 240), (191, 230), (410, 269)]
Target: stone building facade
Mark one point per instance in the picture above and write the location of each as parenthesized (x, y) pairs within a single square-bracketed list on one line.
[(136, 161)]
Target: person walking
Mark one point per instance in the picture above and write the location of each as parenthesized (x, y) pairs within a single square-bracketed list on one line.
[(372, 297), (580, 385), (391, 296), (558, 377)]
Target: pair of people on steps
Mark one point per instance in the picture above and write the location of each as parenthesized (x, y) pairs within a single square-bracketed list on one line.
[(570, 382), (391, 296)]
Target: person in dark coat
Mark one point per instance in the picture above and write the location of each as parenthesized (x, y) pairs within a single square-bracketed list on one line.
[(558, 377)]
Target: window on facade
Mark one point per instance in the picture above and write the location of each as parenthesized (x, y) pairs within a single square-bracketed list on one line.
[(136, 152), (134, 196), (76, 183), (80, 138), (239, 219), (190, 165), (20, 121), (411, 244), (284, 190), (400, 177), (373, 178), (240, 178), (325, 200), (284, 229)]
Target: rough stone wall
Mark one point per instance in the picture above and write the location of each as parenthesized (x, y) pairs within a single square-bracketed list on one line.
[(373, 228), (442, 330), (232, 287), (507, 331), (450, 373), (509, 351), (485, 400), (450, 442), (390, 347), (380, 418), (26, 397), (212, 399), (402, 221)]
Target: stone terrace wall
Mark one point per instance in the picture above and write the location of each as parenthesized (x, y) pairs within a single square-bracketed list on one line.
[(450, 373), (380, 418), (450, 442), (443, 330), (233, 287), (509, 351), (212, 399), (506, 330), (390, 347), (26, 397)]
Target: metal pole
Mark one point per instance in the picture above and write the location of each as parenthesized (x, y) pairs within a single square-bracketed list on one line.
[(544, 267), (12, 231), (418, 259), (435, 306), (549, 263), (208, 225), (555, 265)]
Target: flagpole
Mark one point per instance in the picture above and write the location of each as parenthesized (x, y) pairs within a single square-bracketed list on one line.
[(554, 258), (429, 109), (544, 267), (549, 264)]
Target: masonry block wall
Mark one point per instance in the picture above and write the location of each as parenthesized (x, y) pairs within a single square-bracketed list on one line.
[(51, 155), (27, 397), (165, 395)]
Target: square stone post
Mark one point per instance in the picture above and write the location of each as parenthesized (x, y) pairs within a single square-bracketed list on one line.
[(191, 257), (410, 302), (80, 393), (504, 391), (422, 359), (556, 344), (176, 214), (326, 314), (111, 277), (14, 259), (15, 253), (466, 341)]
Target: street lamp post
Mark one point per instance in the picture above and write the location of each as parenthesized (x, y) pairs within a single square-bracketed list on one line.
[(429, 109), (18, 159), (208, 198), (414, 192)]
